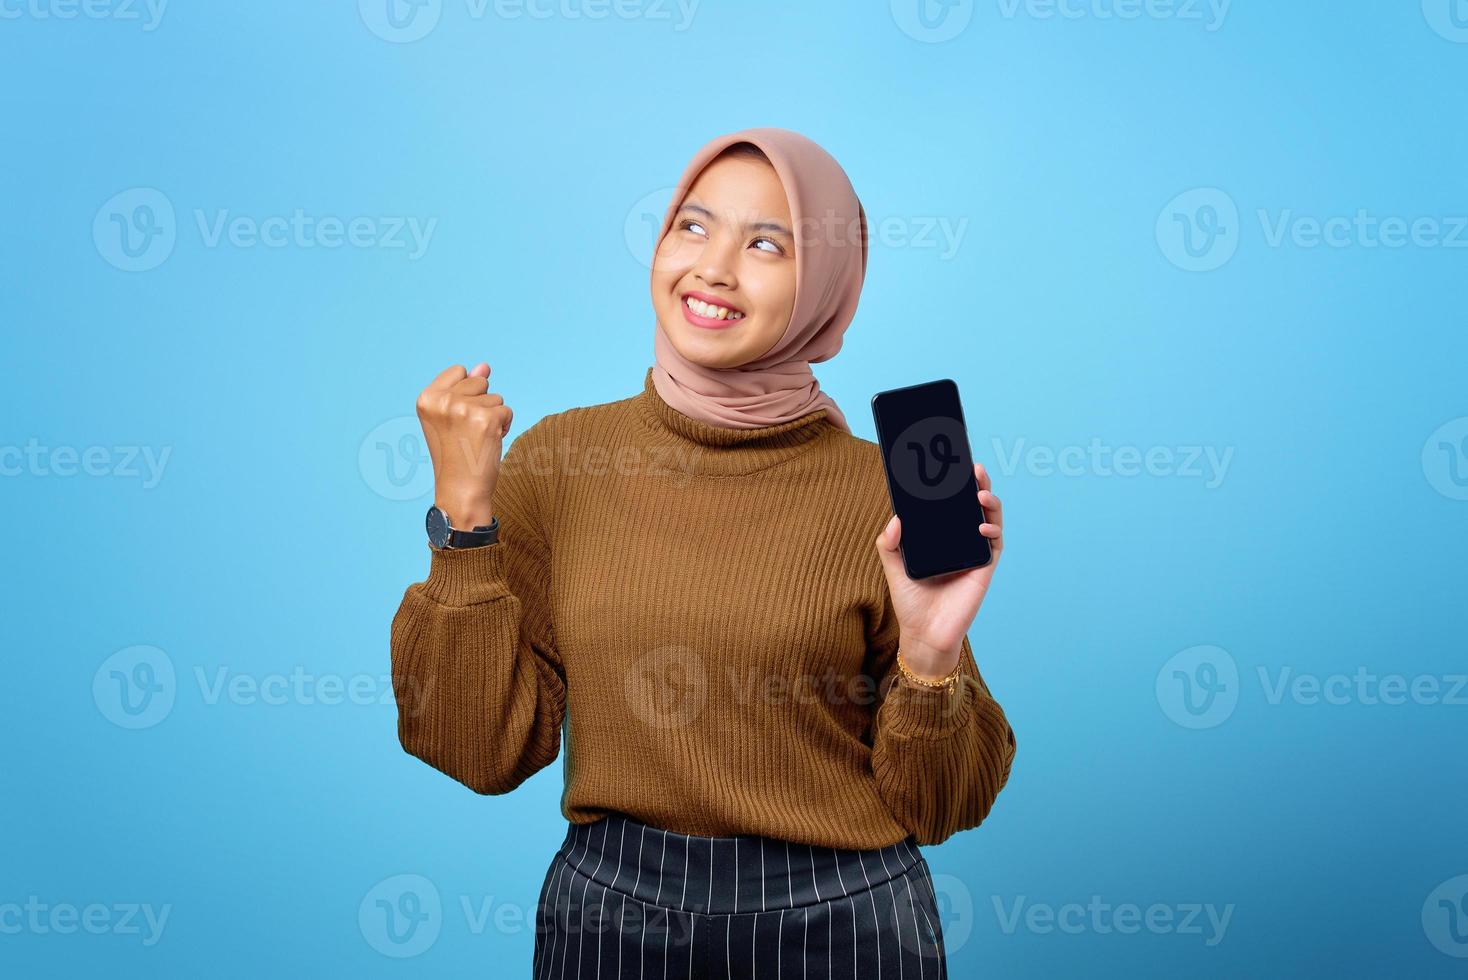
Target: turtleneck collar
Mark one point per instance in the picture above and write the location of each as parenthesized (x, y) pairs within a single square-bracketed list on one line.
[(722, 450)]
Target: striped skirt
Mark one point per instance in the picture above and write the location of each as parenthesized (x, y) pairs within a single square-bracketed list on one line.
[(625, 899)]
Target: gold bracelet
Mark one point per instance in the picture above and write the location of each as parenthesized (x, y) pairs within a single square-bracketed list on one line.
[(946, 683)]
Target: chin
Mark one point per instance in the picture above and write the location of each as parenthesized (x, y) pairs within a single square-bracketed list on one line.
[(701, 352), (701, 349)]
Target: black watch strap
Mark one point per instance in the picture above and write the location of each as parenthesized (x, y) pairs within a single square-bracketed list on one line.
[(477, 538), (443, 534)]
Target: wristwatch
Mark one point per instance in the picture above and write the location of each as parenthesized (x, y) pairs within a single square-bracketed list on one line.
[(443, 534)]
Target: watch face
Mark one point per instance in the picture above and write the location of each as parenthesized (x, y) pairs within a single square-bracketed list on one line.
[(438, 527)]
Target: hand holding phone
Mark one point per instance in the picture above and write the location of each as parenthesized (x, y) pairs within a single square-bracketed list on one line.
[(946, 520)]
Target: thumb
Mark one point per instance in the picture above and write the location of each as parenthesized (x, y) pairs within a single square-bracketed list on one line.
[(887, 550), (480, 370)]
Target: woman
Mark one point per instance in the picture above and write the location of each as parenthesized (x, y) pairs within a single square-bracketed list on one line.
[(763, 718)]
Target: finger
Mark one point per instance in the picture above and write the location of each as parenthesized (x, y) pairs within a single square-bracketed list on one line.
[(474, 384), (891, 534), (448, 377), (887, 552), (480, 370), (982, 476), (993, 509), (990, 530)]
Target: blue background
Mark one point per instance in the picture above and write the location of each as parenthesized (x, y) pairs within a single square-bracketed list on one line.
[(279, 537)]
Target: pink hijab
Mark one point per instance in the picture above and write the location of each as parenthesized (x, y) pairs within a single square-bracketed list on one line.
[(829, 219)]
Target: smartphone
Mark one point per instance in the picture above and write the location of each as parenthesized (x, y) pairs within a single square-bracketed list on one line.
[(930, 478)]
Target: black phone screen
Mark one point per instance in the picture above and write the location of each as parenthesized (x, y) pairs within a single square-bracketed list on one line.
[(930, 476)]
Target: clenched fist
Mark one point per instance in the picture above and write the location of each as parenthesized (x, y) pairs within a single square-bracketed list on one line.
[(465, 427)]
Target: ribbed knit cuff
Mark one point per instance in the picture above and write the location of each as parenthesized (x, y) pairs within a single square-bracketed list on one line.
[(466, 576), (928, 712)]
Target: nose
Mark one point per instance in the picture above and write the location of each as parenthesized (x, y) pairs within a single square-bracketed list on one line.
[(715, 266)]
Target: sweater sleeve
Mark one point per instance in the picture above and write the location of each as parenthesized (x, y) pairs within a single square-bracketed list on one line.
[(480, 688), (939, 759)]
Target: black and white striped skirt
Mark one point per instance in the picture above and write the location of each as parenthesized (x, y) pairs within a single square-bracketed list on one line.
[(625, 899)]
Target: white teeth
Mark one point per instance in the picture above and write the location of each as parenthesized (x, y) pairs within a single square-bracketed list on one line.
[(712, 312)]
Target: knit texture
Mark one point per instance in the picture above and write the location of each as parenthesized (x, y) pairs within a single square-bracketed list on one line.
[(701, 612)]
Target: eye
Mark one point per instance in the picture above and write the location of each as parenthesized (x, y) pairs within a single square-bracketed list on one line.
[(688, 224), (774, 246)]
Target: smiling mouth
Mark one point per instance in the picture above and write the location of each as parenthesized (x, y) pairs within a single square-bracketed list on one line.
[(708, 314)]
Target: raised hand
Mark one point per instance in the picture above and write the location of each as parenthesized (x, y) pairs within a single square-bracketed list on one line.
[(934, 614), (465, 426)]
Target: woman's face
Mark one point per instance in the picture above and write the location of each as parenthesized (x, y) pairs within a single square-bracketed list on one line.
[(730, 245)]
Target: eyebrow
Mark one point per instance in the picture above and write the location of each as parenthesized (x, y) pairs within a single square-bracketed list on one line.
[(763, 225)]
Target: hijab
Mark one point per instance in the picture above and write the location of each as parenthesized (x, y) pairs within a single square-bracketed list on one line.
[(779, 386)]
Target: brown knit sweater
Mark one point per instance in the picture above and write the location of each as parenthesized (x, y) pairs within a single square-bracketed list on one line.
[(704, 609)]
